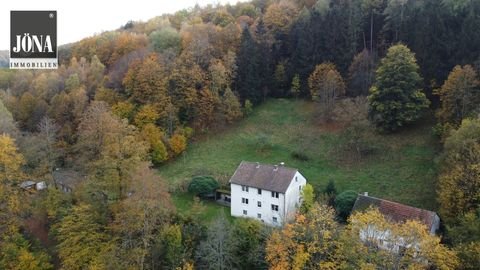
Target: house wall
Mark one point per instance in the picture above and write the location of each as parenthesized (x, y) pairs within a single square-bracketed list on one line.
[(293, 196), (291, 199), (435, 225), (266, 199)]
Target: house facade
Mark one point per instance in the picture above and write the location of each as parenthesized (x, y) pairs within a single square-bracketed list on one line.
[(268, 193)]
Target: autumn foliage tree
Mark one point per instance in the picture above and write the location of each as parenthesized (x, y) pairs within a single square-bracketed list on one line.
[(145, 82), (154, 137), (459, 181), (178, 144), (326, 85), (11, 175), (81, 238), (111, 149), (396, 98), (308, 243), (231, 107), (143, 213), (459, 96)]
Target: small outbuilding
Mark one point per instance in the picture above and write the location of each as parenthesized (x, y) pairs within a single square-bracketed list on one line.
[(398, 212)]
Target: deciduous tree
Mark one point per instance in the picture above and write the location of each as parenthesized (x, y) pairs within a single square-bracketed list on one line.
[(81, 238), (459, 96), (145, 211), (308, 243), (178, 144), (231, 107), (326, 85), (396, 98), (215, 252), (459, 181)]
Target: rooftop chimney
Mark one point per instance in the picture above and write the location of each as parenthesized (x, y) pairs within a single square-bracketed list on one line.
[(258, 165), (282, 164), (275, 167), (365, 194)]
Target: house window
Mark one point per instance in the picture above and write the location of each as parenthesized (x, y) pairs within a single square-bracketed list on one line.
[(245, 200), (245, 188), (300, 188), (274, 207), (245, 212), (259, 191), (259, 215), (259, 204), (296, 178), (275, 220), (274, 194)]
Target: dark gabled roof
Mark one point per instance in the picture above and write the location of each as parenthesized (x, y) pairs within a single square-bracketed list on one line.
[(263, 176), (395, 211)]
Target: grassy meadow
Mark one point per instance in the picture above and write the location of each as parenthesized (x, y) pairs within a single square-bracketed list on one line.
[(402, 169)]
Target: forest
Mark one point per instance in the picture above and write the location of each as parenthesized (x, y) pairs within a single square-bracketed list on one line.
[(126, 107)]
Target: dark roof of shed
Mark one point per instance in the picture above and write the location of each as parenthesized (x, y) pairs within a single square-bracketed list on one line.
[(396, 211), (263, 176)]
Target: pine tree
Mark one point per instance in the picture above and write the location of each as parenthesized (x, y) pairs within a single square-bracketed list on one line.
[(247, 82), (360, 74), (396, 99)]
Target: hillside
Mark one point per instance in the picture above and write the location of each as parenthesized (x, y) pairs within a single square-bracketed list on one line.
[(402, 170)]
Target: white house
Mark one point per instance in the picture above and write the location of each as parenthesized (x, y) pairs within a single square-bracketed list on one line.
[(269, 193)]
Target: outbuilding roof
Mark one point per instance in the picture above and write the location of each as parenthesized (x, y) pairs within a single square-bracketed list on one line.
[(396, 211)]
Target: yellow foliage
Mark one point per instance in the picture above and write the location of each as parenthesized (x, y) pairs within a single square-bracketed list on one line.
[(146, 115), (178, 144), (123, 109), (10, 161), (371, 240), (458, 95), (308, 243)]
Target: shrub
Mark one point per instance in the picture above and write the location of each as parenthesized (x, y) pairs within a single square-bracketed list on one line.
[(203, 186), (344, 203), (299, 155)]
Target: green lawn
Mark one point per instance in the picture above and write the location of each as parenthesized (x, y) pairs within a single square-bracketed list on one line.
[(184, 202), (403, 170)]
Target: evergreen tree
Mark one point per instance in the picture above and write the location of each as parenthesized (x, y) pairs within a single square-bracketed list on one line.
[(248, 78), (360, 74), (265, 58), (396, 99)]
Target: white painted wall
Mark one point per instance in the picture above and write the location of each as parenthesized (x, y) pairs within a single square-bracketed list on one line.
[(291, 200), (293, 195)]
